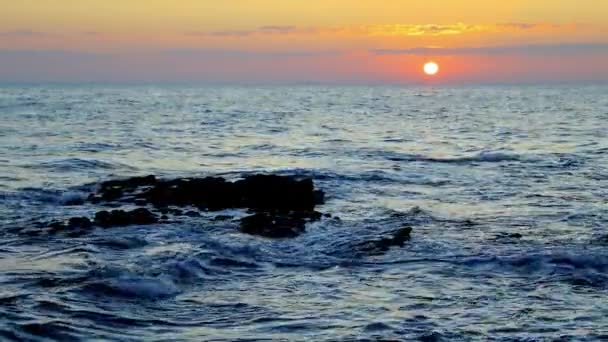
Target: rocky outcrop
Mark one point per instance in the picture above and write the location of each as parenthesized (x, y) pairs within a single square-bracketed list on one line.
[(256, 192), (282, 205), (73, 224), (118, 218)]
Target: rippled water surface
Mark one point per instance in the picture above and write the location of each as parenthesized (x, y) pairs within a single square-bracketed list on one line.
[(467, 168)]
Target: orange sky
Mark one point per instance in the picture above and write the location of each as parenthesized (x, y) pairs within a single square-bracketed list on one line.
[(340, 41)]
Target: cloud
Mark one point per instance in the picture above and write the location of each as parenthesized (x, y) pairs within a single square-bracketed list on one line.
[(388, 30), (229, 33), (460, 28), (51, 54), (500, 50), (237, 54), (262, 30), (420, 30), (23, 34), (521, 26), (277, 29), (39, 34)]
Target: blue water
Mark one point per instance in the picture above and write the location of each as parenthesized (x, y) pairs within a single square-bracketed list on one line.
[(466, 168)]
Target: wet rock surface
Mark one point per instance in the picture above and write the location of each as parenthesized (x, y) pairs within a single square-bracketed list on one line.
[(118, 218), (278, 225), (376, 247), (281, 205), (257, 192)]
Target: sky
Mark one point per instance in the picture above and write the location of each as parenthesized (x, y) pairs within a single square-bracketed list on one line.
[(304, 41)]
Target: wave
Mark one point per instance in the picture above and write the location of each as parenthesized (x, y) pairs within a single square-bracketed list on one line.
[(54, 329), (375, 176), (577, 270), (52, 196), (95, 147), (138, 287), (481, 157), (78, 164)]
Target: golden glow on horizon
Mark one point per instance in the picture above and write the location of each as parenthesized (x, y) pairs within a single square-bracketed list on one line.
[(431, 68), (317, 39)]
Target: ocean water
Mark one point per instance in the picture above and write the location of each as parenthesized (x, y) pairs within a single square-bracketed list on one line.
[(467, 168)]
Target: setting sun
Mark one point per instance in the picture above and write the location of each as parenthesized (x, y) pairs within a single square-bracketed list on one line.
[(431, 68)]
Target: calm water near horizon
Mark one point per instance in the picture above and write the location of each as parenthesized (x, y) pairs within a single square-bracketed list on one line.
[(506, 189)]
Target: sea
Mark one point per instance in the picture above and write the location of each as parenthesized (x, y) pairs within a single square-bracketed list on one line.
[(505, 189)]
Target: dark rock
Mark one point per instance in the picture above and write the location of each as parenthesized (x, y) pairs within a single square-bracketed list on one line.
[(111, 194), (129, 183), (56, 226), (273, 226), (281, 205), (74, 226), (205, 193), (271, 192), (117, 218), (383, 245), (258, 192), (115, 189), (74, 201), (80, 222), (404, 234)]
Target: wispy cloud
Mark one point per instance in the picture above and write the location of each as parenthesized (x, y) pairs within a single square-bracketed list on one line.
[(41, 34), (420, 30), (262, 30), (236, 54), (499, 50), (278, 29), (23, 34), (388, 30)]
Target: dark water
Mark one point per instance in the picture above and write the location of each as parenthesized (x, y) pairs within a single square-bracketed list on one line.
[(466, 168)]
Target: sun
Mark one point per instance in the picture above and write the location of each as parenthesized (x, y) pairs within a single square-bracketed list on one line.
[(431, 68)]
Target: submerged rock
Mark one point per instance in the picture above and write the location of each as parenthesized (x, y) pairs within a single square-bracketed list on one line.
[(383, 245), (75, 226), (278, 224), (80, 222), (116, 189), (273, 225), (117, 218)]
